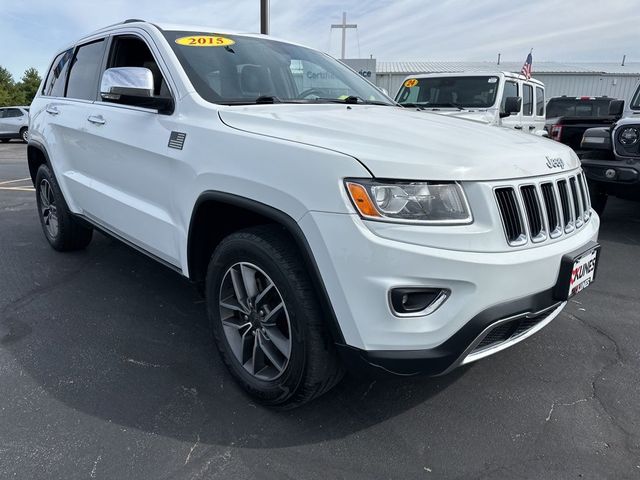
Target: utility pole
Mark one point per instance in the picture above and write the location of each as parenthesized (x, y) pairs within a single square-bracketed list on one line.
[(264, 17), (344, 27)]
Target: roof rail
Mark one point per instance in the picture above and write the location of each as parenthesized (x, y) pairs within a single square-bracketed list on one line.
[(133, 20)]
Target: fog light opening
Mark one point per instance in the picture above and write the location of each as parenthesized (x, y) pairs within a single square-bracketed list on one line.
[(416, 301)]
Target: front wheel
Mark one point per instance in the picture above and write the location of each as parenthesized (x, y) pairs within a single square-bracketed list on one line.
[(62, 230), (24, 134), (267, 321)]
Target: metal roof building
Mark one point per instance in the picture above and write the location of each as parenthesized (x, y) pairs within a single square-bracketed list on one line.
[(572, 79)]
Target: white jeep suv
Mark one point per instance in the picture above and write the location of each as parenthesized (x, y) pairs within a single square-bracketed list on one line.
[(327, 226)]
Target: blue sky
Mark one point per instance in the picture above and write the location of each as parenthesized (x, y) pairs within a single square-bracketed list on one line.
[(560, 30)]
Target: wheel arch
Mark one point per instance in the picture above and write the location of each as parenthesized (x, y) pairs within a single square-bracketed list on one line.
[(36, 155), (218, 214)]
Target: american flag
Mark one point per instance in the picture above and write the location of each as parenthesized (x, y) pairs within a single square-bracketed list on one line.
[(527, 67)]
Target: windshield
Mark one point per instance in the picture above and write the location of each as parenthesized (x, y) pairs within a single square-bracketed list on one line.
[(467, 92), (635, 103), (230, 69), (576, 107)]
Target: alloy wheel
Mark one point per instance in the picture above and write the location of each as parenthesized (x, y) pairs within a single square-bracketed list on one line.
[(255, 321), (48, 208)]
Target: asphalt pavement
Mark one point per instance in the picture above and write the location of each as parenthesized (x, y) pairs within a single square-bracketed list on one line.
[(107, 371)]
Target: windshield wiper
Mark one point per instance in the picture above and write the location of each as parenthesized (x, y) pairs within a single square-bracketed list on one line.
[(412, 105), (268, 99), (352, 99), (444, 105)]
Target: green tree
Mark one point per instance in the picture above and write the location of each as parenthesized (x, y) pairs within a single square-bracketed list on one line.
[(28, 86), (20, 93), (7, 87)]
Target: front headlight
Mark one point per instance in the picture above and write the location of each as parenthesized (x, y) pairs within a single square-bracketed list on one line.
[(629, 136), (410, 202)]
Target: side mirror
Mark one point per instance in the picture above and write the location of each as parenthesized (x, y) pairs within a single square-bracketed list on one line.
[(596, 139), (132, 86), (616, 107), (511, 105)]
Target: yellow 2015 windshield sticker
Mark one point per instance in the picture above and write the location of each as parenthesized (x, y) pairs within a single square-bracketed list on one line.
[(412, 82), (204, 41)]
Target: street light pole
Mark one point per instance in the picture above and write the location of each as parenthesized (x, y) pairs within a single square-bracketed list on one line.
[(264, 17)]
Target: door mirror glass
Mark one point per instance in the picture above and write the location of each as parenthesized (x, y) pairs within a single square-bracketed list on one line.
[(616, 107), (511, 106), (132, 86)]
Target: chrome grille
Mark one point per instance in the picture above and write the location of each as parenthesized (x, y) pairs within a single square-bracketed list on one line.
[(511, 218), (537, 212)]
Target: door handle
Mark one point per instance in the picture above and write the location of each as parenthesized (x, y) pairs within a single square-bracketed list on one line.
[(97, 119), (518, 127), (532, 127), (52, 110)]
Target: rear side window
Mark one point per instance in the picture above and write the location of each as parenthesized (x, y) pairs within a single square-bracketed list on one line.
[(2, 112), (539, 102), (56, 78), (85, 70), (13, 112), (527, 100)]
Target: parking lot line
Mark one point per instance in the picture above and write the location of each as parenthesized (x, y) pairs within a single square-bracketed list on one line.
[(19, 189), (5, 182)]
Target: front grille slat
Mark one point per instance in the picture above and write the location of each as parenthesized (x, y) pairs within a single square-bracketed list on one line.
[(566, 207), (551, 207), (541, 211), (510, 213), (534, 212), (577, 206)]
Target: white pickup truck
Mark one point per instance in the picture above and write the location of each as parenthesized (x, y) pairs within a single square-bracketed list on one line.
[(327, 227), (498, 98)]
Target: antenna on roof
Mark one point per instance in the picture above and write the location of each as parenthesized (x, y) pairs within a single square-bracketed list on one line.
[(132, 20), (499, 58), (624, 57)]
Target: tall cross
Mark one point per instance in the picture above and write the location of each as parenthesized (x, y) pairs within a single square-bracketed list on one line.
[(344, 25)]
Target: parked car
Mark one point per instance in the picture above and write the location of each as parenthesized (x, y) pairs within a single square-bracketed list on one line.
[(497, 98), (569, 117), (611, 159), (328, 227), (14, 123)]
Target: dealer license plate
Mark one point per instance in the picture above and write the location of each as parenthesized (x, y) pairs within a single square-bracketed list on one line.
[(583, 272)]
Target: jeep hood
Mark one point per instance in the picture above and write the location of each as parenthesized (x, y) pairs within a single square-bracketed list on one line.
[(394, 142)]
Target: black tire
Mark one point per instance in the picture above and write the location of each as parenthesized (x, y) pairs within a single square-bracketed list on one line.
[(598, 198), (70, 234), (4, 140), (313, 366), (24, 134)]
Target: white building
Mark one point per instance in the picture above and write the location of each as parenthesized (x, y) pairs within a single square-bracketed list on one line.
[(572, 79)]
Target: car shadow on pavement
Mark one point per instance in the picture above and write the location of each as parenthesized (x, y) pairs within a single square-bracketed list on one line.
[(114, 335)]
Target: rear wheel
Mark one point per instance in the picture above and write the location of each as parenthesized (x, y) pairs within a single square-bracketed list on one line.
[(63, 231), (24, 134), (267, 321)]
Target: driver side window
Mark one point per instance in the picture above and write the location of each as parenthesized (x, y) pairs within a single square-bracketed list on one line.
[(131, 51), (510, 90)]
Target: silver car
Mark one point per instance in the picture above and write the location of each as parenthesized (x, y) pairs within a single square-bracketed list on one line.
[(14, 123)]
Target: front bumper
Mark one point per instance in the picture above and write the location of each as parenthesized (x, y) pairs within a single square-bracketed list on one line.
[(489, 332), (359, 268), (619, 177)]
